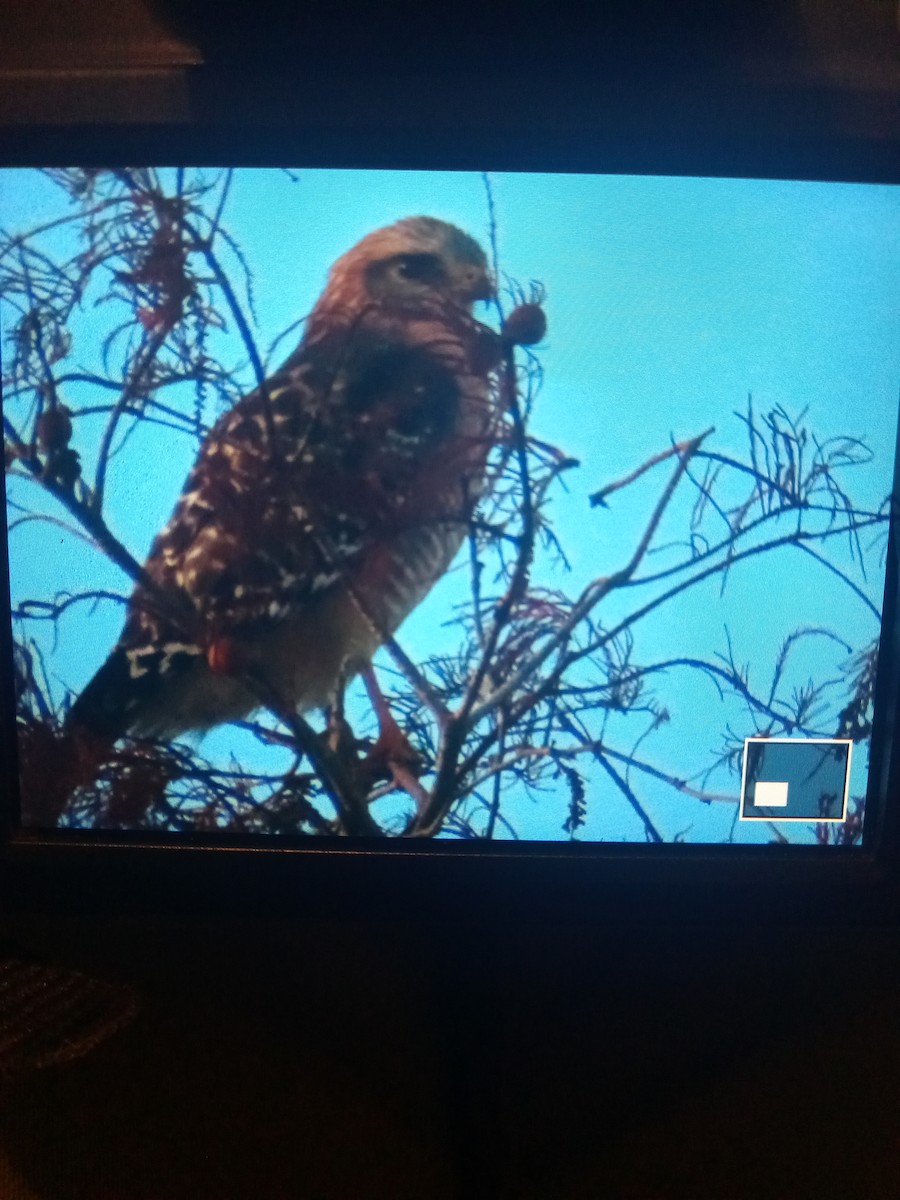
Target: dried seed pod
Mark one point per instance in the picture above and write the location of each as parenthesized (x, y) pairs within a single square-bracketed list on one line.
[(525, 325), (54, 429)]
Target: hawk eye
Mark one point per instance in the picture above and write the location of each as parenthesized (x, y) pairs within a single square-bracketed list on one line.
[(424, 268)]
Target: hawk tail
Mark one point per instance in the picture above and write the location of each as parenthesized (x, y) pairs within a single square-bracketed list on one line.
[(106, 707), (129, 692)]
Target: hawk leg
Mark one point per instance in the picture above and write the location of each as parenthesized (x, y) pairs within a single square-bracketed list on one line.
[(392, 755), (337, 730)]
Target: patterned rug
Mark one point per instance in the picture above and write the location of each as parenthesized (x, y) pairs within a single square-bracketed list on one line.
[(51, 1015)]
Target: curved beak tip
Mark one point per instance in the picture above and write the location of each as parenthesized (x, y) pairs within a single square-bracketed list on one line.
[(483, 288)]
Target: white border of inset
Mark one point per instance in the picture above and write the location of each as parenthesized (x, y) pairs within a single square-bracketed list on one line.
[(848, 742)]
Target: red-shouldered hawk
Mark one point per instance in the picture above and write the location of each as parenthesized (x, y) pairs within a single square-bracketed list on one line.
[(324, 506)]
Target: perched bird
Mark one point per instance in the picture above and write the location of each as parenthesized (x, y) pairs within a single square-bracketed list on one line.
[(324, 505)]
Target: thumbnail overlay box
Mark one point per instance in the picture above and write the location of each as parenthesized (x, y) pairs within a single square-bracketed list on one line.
[(795, 779)]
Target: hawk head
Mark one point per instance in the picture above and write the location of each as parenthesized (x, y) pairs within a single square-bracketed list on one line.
[(404, 268)]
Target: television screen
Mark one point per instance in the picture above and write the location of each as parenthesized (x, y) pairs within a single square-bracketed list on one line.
[(446, 505)]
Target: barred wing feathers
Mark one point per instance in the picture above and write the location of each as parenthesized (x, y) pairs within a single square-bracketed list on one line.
[(339, 475)]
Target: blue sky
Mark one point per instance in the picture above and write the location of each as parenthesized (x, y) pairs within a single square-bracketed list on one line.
[(668, 300)]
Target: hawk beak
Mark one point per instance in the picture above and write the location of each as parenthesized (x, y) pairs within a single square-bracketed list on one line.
[(476, 285)]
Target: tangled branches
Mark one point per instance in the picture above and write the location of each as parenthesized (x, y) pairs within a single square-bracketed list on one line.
[(535, 698)]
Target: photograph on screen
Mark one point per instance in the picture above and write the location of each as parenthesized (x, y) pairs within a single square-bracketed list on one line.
[(447, 505)]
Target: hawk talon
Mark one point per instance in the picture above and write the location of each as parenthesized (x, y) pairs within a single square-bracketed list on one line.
[(392, 748), (392, 757)]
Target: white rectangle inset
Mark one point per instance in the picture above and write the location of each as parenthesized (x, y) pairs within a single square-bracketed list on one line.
[(767, 794)]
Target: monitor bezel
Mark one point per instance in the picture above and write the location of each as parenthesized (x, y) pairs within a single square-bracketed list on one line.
[(102, 867)]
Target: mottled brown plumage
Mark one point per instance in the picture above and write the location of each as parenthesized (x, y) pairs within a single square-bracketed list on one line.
[(324, 506)]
